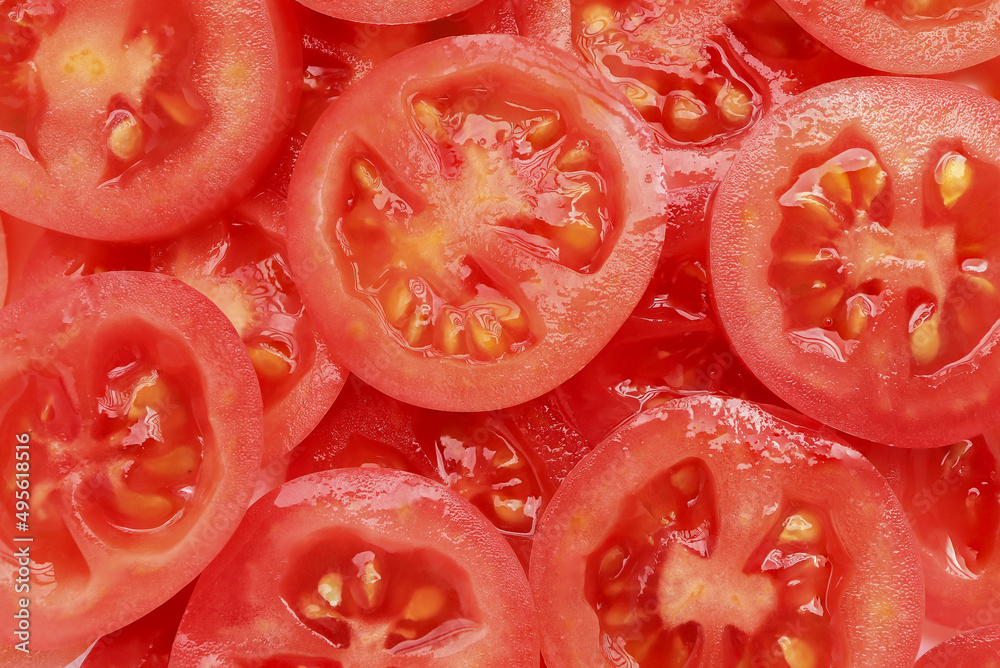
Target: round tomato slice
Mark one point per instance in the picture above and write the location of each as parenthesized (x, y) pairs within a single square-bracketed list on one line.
[(979, 647), (951, 495), (390, 11), (134, 120), (239, 262), (701, 73), (710, 533), (130, 418), (904, 36), (361, 567), (457, 218), (855, 258)]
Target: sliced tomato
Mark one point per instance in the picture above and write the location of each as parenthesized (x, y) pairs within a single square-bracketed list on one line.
[(131, 421), (453, 248), (701, 73), (361, 567), (4, 268), (239, 263), (135, 120), (708, 532), (855, 258), (144, 643), (979, 647), (951, 496), (390, 12), (490, 459), (672, 345), (19, 239), (904, 36)]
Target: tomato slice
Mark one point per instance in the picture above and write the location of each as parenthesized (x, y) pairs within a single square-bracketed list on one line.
[(951, 495), (672, 345), (924, 37), (979, 647), (131, 418), (708, 532), (701, 73), (854, 258), (144, 643), (133, 121), (239, 262), (454, 261), (391, 12), (490, 459), (361, 567)]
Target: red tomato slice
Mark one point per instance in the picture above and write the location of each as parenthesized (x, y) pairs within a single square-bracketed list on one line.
[(979, 647), (390, 11), (490, 459), (129, 120), (131, 419), (144, 643), (361, 567), (239, 263), (454, 248), (855, 258), (701, 73), (710, 533), (952, 497), (672, 345), (902, 36)]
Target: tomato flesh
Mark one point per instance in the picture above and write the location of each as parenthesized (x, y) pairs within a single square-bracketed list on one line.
[(133, 109), (370, 567), (978, 647), (134, 441), (432, 259), (708, 532), (861, 259), (487, 458), (951, 496)]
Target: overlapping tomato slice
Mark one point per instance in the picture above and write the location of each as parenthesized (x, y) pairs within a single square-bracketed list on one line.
[(854, 259), (390, 12), (926, 36), (133, 121), (367, 567), (951, 495), (138, 420), (708, 532), (453, 260), (240, 263), (495, 460), (701, 73)]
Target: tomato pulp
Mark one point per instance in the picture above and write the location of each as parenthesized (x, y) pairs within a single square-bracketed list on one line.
[(708, 532), (129, 120), (854, 258), (361, 567), (454, 249), (130, 418)]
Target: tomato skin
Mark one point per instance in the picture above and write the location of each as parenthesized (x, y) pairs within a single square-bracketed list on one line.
[(877, 393), (396, 511), (178, 191), (979, 647), (389, 12), (361, 336), (131, 567), (859, 31), (758, 462)]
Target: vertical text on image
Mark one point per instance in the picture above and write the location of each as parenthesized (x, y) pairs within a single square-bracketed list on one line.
[(22, 552)]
